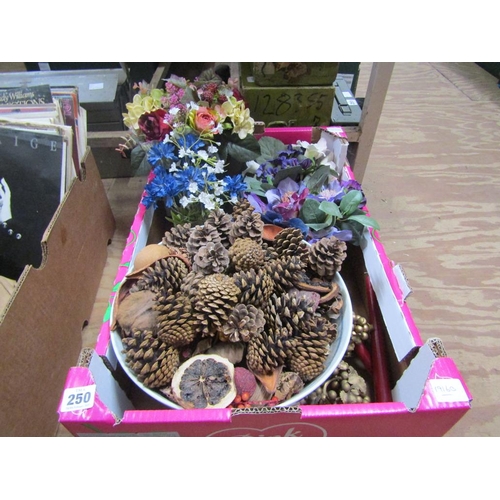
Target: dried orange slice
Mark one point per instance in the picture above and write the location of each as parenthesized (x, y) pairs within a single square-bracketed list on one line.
[(204, 381)]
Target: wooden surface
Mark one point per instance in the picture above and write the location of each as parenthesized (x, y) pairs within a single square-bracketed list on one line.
[(433, 183)]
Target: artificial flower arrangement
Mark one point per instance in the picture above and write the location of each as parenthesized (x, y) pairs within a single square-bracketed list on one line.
[(298, 185), (193, 136)]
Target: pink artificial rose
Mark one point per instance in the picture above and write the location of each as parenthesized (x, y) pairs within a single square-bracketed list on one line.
[(153, 125), (205, 120)]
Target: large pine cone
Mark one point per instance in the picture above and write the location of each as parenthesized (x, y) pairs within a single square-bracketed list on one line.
[(308, 354), (285, 273), (326, 257), (243, 323), (150, 359), (176, 324), (164, 276), (247, 225), (268, 349), (256, 286), (177, 236), (246, 254), (211, 258), (200, 236), (189, 285), (290, 242), (294, 311), (214, 301), (222, 222)]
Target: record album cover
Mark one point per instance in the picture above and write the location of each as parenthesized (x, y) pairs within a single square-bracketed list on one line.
[(32, 180)]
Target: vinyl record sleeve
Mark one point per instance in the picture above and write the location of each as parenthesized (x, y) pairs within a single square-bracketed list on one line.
[(32, 182)]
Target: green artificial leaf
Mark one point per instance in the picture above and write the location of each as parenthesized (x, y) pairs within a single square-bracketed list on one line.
[(243, 150), (256, 187), (330, 208), (318, 179), (310, 212), (327, 223), (365, 221), (350, 202), (137, 156), (290, 172), (269, 148)]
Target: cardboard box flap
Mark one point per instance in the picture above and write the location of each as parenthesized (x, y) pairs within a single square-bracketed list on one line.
[(390, 298), (416, 379)]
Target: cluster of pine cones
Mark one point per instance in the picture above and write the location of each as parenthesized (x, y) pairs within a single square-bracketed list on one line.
[(224, 282)]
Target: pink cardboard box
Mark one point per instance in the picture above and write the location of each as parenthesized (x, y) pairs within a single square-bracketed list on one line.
[(427, 393)]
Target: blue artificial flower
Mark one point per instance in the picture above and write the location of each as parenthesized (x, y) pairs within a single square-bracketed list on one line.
[(191, 141), (189, 176), (160, 151), (163, 186), (234, 185)]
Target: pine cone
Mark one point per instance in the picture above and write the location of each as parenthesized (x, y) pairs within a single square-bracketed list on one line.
[(214, 301), (243, 322), (294, 310), (176, 324), (211, 258), (290, 242), (177, 236), (308, 354), (164, 276), (242, 206), (189, 285), (256, 286), (150, 359), (326, 257), (285, 272), (200, 236), (267, 350), (247, 225), (246, 254), (222, 222)]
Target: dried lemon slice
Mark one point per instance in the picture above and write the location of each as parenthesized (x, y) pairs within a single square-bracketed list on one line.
[(204, 381)]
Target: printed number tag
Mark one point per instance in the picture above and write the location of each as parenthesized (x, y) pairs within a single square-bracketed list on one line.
[(78, 398), (448, 390)]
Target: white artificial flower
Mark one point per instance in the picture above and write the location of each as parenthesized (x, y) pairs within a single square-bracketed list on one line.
[(252, 167), (203, 154), (207, 201), (193, 187), (184, 201), (316, 150), (212, 149), (173, 111), (173, 168), (218, 129), (219, 167), (219, 188)]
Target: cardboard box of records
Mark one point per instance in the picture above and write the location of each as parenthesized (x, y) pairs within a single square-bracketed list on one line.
[(45, 310), (412, 387)]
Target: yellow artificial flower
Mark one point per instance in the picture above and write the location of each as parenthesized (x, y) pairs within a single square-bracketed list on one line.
[(243, 123), (141, 103)]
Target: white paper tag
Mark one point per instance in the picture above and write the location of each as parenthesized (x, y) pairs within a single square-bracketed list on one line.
[(96, 86), (78, 398), (448, 390), (351, 102), (346, 94)]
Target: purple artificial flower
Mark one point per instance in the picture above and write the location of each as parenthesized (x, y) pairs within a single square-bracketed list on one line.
[(287, 198)]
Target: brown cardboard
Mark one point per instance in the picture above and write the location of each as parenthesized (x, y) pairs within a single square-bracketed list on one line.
[(41, 326)]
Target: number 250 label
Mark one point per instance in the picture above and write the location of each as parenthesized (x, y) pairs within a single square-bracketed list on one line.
[(78, 398)]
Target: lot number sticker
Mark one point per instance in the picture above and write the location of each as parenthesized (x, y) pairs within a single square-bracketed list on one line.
[(78, 398), (448, 390)]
